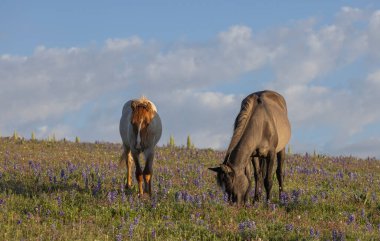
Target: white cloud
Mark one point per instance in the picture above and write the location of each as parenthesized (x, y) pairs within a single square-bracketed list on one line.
[(80, 91), (122, 44)]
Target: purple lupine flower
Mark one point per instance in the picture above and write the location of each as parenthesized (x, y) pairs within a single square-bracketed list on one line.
[(154, 235), (363, 213), (337, 236), (247, 225), (339, 175), (119, 237), (59, 201), (19, 222), (351, 219), (123, 197), (369, 227), (111, 196), (284, 199), (225, 198), (273, 206), (62, 174), (289, 227), (130, 232), (296, 195), (2, 202), (314, 199), (71, 167), (85, 178), (312, 232)]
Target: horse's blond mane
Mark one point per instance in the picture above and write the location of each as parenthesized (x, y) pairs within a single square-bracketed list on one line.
[(241, 121), (145, 100)]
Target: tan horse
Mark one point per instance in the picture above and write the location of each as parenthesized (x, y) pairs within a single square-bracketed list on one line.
[(261, 132), (140, 131)]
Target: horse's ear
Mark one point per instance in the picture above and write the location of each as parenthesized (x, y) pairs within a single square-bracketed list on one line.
[(225, 168), (215, 169)]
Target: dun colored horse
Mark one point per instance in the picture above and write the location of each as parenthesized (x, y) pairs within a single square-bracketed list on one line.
[(140, 131), (261, 132)]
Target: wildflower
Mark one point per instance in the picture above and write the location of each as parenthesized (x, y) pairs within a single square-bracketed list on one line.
[(154, 235), (296, 195), (363, 213), (136, 220), (59, 201), (351, 219), (2, 202), (289, 227), (62, 174), (130, 232), (19, 222), (337, 236), (112, 196), (247, 225), (225, 197), (284, 199), (369, 227), (119, 237), (312, 232), (273, 206)]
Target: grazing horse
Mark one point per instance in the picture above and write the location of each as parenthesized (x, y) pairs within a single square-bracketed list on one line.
[(140, 131), (261, 132)]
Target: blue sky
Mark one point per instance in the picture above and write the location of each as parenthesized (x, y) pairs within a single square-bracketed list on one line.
[(67, 68)]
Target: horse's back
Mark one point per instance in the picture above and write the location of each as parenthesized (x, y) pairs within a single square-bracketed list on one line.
[(276, 105), (154, 129)]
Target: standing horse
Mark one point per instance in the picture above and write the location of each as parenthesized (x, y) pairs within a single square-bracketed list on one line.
[(261, 132), (140, 131)]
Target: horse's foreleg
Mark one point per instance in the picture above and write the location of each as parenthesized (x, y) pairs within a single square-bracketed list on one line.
[(280, 170), (268, 181), (139, 173), (148, 171), (258, 178)]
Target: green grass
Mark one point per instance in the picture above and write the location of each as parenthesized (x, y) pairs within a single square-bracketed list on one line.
[(75, 191)]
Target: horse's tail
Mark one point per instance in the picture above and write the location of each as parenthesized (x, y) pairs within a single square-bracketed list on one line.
[(122, 157), (241, 121)]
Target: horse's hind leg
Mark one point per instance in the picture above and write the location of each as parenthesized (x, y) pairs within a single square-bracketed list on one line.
[(280, 170), (139, 173), (129, 162), (148, 171)]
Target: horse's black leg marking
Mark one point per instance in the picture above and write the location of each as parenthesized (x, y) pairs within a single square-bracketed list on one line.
[(148, 172), (280, 170), (268, 181), (139, 173), (258, 178)]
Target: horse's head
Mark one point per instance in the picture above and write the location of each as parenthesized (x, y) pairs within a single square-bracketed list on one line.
[(142, 115), (236, 185)]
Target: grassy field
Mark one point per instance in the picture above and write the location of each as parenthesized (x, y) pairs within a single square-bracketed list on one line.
[(75, 191)]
